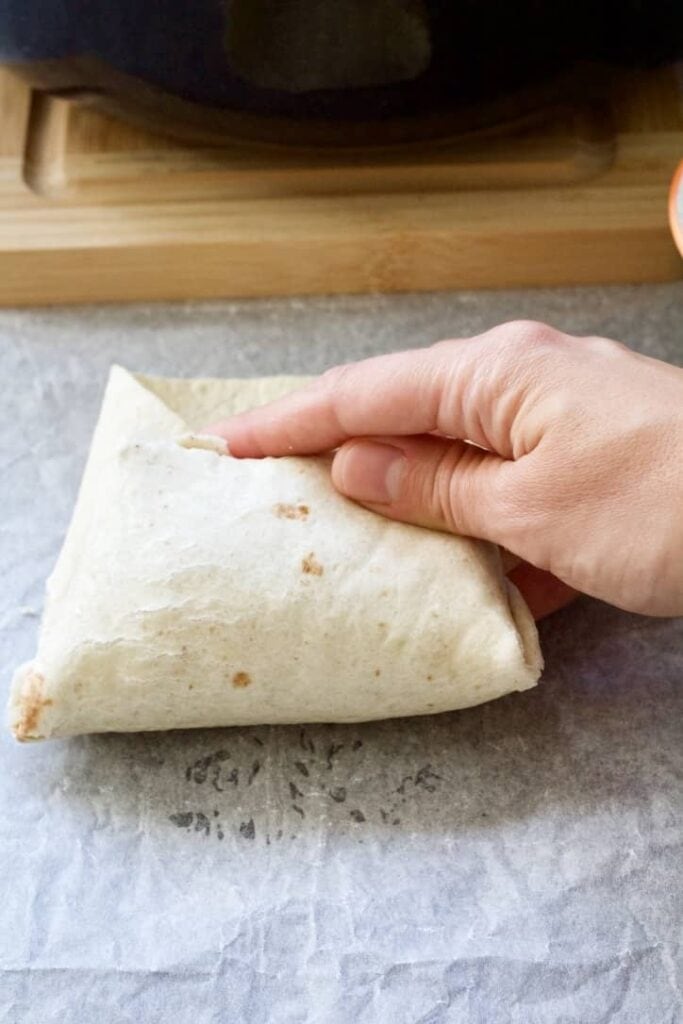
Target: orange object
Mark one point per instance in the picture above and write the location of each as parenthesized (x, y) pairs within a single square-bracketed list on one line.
[(676, 207)]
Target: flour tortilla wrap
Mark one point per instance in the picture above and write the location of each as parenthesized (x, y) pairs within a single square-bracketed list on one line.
[(194, 589)]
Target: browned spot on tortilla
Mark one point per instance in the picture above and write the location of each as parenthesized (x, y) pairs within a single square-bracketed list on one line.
[(381, 625), (311, 565), (32, 702), (284, 511), (429, 678), (241, 679), (377, 672)]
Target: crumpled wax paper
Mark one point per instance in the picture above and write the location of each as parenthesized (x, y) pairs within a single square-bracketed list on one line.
[(519, 862)]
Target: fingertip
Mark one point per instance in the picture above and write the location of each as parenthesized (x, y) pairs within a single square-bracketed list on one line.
[(237, 434), (217, 429)]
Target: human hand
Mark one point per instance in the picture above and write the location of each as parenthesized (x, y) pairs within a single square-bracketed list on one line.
[(575, 463)]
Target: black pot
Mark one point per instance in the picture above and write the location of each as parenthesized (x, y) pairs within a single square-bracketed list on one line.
[(343, 72)]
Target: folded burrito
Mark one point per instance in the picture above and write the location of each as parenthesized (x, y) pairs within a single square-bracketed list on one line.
[(196, 589)]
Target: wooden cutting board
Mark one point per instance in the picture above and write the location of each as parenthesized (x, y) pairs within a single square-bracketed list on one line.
[(94, 210)]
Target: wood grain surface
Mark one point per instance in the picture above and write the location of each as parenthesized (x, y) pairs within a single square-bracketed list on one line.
[(94, 210)]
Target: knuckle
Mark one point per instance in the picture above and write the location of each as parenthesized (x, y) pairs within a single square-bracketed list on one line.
[(527, 335), (605, 347), (450, 487), (443, 344), (430, 483), (445, 483), (334, 378)]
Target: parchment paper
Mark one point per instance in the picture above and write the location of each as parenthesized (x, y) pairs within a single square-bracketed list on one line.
[(519, 862)]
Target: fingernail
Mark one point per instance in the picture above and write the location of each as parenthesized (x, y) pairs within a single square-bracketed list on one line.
[(369, 471)]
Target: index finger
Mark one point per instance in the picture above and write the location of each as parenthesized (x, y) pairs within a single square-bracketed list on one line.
[(413, 392)]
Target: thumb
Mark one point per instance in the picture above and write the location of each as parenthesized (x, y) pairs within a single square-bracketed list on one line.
[(429, 481)]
